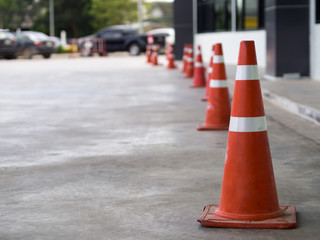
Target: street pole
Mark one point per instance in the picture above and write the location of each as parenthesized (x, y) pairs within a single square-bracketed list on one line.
[(139, 2), (51, 12)]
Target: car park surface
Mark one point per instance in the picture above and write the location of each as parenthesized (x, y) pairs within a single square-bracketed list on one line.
[(107, 148)]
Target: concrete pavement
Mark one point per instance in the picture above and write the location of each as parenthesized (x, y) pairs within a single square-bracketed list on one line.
[(106, 148)]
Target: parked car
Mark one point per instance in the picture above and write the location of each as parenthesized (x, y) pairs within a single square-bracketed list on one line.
[(125, 38), (8, 44), (118, 38), (163, 35), (35, 43)]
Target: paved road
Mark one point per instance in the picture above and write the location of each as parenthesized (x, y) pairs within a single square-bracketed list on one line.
[(106, 148)]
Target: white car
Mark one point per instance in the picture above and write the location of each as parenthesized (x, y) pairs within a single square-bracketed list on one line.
[(169, 32)]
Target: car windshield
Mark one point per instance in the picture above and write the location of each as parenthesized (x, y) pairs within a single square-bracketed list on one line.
[(37, 36), (6, 35)]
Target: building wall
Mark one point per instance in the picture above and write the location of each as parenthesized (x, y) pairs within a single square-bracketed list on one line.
[(314, 44), (230, 44)]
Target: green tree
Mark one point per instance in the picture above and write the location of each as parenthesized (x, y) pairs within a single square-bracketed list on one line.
[(113, 12), (72, 16), (17, 13)]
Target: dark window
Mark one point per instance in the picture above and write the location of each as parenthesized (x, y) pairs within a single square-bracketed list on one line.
[(111, 35), (317, 11), (214, 15), (250, 14)]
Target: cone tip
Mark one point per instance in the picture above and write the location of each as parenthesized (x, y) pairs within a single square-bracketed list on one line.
[(247, 53), (218, 49)]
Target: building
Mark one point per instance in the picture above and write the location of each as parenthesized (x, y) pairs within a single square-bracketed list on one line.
[(286, 32)]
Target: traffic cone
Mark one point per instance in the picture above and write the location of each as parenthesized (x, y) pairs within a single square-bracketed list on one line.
[(184, 59), (248, 196), (218, 106), (154, 57), (148, 53), (198, 75), (170, 57), (205, 98), (189, 67)]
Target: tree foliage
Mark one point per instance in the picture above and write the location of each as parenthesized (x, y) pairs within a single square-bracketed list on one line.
[(77, 17), (13, 13), (72, 16), (113, 12)]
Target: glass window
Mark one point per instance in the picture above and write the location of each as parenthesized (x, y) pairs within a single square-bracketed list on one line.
[(214, 15), (250, 14), (111, 35)]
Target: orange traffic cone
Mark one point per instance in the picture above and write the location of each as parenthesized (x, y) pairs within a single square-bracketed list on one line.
[(218, 106), (170, 57), (189, 67), (198, 75), (249, 196), (154, 57), (148, 53), (184, 59), (205, 98)]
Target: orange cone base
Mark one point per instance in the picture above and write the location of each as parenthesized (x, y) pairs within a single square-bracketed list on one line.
[(174, 67), (204, 126), (196, 86), (288, 220)]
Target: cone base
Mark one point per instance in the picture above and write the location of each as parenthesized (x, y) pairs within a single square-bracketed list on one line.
[(288, 220), (174, 67), (203, 127), (197, 86)]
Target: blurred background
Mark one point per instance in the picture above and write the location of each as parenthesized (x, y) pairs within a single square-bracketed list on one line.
[(26, 24)]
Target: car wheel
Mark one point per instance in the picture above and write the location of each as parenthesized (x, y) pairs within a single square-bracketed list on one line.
[(47, 55), (134, 49), (27, 53), (10, 57)]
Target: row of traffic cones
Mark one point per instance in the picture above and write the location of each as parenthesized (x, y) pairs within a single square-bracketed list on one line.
[(248, 196), (152, 55)]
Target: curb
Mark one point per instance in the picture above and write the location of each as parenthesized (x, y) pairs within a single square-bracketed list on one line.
[(301, 110)]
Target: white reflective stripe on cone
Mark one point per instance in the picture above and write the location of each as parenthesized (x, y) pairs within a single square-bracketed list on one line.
[(248, 124), (198, 52), (170, 55), (210, 70), (218, 59), (197, 64), (218, 83), (247, 72)]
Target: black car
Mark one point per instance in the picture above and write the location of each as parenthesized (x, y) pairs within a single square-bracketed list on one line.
[(35, 43), (8, 45), (119, 39)]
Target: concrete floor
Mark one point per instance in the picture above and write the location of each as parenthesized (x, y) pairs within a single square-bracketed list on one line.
[(106, 148)]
